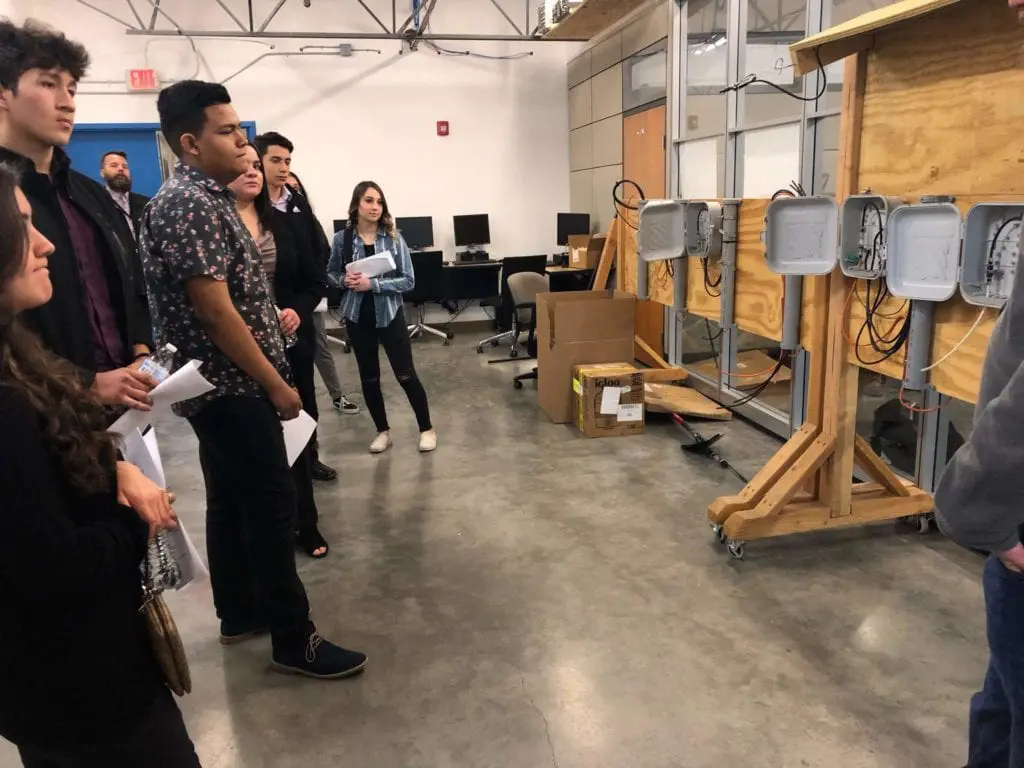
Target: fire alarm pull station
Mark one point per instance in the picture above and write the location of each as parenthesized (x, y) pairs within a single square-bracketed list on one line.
[(442, 127)]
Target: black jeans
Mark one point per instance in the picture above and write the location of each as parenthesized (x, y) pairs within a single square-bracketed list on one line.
[(250, 518), (159, 740), (300, 356), (366, 341)]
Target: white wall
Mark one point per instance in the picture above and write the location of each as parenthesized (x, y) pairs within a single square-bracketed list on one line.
[(369, 116)]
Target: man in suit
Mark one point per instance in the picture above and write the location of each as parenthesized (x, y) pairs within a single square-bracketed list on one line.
[(98, 319), (118, 177)]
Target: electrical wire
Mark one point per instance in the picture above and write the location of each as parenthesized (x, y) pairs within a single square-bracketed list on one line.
[(959, 344), (474, 55), (751, 79), (756, 392)]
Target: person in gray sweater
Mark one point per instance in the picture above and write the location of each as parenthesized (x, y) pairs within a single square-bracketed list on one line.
[(980, 504)]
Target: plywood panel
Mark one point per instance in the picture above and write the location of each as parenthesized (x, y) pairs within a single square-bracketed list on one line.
[(960, 375), (942, 113), (857, 34), (592, 18), (759, 291)]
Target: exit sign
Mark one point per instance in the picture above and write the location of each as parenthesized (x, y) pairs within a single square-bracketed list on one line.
[(143, 80)]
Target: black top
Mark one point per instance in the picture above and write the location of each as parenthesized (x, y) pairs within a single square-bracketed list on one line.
[(76, 663), (63, 322), (368, 307)]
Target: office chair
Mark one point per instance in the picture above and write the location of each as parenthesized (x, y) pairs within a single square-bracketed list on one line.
[(510, 267), (524, 287), (428, 266)]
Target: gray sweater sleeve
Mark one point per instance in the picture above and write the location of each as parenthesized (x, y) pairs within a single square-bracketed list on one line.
[(980, 498)]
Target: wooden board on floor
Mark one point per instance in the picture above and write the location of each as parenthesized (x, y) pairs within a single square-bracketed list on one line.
[(665, 398)]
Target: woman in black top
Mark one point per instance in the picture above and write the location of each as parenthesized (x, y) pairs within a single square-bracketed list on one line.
[(80, 684), (297, 282)]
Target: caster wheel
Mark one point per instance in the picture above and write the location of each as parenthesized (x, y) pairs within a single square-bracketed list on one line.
[(718, 532), (924, 524), (737, 549), (517, 384), (479, 350), (514, 353), (449, 335), (493, 343), (348, 349), (446, 343)]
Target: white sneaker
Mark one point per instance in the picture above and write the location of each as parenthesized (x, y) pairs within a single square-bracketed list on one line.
[(381, 442), (428, 441)]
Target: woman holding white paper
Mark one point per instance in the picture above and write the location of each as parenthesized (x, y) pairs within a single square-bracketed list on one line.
[(81, 683), (373, 307), (296, 285)]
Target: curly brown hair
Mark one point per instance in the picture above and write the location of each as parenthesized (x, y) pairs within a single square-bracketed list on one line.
[(73, 422)]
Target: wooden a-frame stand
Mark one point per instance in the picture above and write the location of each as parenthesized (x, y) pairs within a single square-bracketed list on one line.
[(808, 484)]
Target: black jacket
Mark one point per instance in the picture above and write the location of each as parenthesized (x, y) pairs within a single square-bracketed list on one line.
[(136, 205), (76, 664), (300, 280), (63, 324)]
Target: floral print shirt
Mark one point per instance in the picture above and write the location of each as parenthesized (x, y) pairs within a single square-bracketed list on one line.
[(192, 229)]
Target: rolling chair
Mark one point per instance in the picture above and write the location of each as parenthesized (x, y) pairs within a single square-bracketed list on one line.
[(510, 267), (524, 287), (428, 266)]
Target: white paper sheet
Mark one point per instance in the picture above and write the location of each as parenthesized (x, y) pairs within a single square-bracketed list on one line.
[(372, 266), (184, 384), (610, 400), (143, 452), (321, 307), (297, 434)]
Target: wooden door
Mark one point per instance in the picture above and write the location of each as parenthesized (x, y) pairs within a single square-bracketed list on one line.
[(643, 161)]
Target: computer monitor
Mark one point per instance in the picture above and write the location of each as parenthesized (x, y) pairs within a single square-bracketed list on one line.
[(472, 230), (572, 224), (418, 231)]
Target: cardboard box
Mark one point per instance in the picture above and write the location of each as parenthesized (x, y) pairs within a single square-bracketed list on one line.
[(609, 399), (585, 251), (575, 328)]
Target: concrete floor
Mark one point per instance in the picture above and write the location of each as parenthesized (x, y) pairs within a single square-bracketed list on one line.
[(532, 598)]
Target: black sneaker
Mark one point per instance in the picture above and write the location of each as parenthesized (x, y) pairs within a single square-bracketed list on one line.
[(323, 473), (344, 405), (232, 633), (321, 659)]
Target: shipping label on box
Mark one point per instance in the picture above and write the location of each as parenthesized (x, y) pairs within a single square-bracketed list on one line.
[(609, 400)]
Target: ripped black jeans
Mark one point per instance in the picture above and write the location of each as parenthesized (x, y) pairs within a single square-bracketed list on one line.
[(366, 341)]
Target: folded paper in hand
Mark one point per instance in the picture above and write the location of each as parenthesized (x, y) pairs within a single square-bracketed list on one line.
[(184, 384), (297, 434), (372, 266)]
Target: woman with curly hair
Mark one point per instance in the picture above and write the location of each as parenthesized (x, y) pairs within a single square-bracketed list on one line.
[(81, 685)]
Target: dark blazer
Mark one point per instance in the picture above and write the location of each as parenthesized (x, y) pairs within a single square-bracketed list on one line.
[(136, 205), (63, 323), (300, 281)]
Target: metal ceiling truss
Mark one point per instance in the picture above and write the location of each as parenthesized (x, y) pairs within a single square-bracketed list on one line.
[(407, 31)]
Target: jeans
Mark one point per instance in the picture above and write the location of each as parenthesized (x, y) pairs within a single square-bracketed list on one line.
[(250, 518), (997, 711), (159, 740), (366, 341), (325, 358)]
